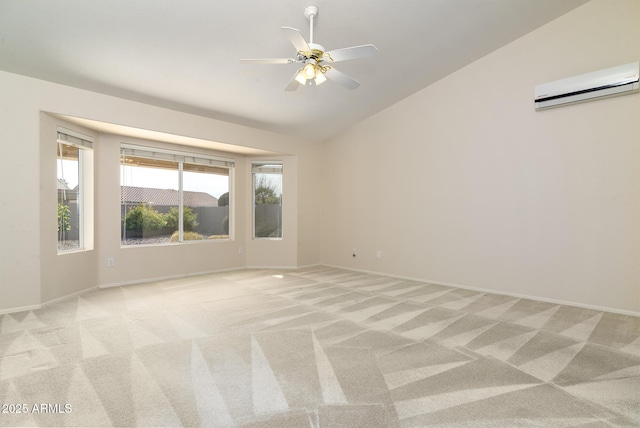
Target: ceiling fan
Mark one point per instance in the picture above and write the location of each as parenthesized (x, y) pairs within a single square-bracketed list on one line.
[(316, 64)]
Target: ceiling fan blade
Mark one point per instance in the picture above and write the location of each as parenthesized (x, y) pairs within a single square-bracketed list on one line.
[(293, 84), (270, 60), (350, 53), (296, 39), (341, 78)]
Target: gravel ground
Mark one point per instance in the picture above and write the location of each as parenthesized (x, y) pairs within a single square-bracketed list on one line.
[(146, 241), (71, 245), (68, 245)]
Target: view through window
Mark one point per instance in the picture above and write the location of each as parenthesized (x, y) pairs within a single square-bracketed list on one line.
[(170, 197), (71, 158), (267, 198)]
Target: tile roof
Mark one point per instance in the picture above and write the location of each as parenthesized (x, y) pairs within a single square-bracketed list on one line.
[(147, 195)]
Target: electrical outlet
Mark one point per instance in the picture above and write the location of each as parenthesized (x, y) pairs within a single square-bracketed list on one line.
[(379, 254), (353, 252), (240, 250), (111, 262)]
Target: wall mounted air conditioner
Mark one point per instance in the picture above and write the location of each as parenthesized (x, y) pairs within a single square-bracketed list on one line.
[(610, 82)]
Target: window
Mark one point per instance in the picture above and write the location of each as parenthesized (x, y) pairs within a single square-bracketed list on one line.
[(267, 199), (74, 181), (172, 197)]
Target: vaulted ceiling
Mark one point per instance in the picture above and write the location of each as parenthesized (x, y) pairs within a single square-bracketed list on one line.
[(185, 55)]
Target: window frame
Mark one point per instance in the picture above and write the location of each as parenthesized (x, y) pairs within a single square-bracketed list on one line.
[(181, 158), (265, 163), (84, 198)]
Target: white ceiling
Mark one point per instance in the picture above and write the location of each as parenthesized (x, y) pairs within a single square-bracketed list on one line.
[(185, 55)]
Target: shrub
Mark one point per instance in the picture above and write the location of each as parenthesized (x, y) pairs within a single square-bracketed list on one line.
[(225, 224), (64, 218), (143, 219), (223, 200), (186, 236), (189, 219), (267, 230), (265, 192)]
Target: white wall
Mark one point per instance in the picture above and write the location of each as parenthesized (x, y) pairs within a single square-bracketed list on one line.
[(31, 273), (464, 183)]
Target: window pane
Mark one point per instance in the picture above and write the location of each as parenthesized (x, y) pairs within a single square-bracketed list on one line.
[(206, 202), (149, 199), (267, 186), (69, 192)]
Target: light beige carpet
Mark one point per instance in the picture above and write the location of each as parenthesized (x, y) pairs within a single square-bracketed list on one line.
[(317, 347)]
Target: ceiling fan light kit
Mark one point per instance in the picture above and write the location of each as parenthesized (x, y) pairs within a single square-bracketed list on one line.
[(314, 60)]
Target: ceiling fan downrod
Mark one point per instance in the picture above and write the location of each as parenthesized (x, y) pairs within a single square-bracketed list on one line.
[(310, 12)]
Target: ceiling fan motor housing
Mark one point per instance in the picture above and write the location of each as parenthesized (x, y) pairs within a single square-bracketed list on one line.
[(317, 51)]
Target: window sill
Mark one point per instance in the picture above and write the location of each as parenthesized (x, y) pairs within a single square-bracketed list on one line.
[(176, 244), (79, 250)]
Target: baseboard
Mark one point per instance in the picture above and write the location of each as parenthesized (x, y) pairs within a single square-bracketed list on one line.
[(170, 277), (69, 296), (503, 293), (272, 267), (285, 267), (167, 278), (310, 266), (143, 281), (409, 278), (20, 309), (48, 302)]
